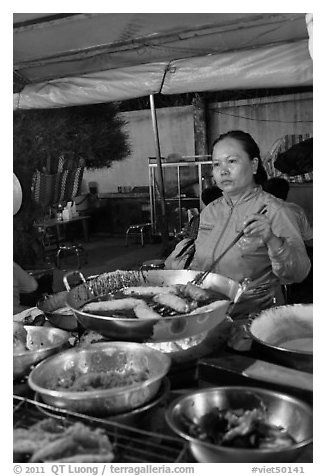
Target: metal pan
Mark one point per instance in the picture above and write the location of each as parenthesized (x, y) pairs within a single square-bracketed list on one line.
[(274, 329), (104, 357), (52, 306), (150, 330), (42, 342)]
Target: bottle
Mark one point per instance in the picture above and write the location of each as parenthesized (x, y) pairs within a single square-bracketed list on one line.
[(73, 210), (66, 214), (59, 213)]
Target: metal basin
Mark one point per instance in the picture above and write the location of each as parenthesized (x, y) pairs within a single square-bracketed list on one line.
[(150, 330), (285, 334), (139, 416), (42, 342), (51, 305), (283, 410), (101, 357)]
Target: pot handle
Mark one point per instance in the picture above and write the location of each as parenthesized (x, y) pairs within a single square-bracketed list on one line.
[(68, 275)]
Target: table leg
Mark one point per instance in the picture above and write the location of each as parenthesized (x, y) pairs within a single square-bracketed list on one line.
[(85, 229), (57, 227)]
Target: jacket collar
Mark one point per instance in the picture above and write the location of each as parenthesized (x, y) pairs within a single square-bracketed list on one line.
[(248, 194)]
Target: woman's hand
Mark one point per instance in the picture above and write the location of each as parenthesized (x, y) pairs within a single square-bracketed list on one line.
[(258, 226)]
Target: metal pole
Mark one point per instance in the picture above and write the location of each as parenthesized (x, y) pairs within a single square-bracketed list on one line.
[(164, 224)]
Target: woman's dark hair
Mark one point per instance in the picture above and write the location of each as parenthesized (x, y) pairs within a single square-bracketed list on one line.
[(250, 147), (211, 193), (277, 186)]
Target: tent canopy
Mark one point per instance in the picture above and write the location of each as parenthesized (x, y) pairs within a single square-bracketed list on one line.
[(70, 59)]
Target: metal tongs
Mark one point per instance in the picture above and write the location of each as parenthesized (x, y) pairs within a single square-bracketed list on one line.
[(201, 276)]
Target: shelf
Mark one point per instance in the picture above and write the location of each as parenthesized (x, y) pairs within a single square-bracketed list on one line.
[(178, 180), (182, 199)]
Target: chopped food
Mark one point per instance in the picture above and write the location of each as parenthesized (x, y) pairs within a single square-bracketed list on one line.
[(196, 292), (239, 429), (76, 381), (149, 290), (113, 305), (65, 311), (47, 440), (89, 337), (174, 302), (19, 338), (143, 311), (38, 435), (154, 302)]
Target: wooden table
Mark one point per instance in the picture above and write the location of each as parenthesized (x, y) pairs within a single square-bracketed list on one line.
[(54, 222)]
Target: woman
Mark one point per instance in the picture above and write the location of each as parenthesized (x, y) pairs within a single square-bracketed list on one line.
[(183, 253), (22, 281), (271, 251)]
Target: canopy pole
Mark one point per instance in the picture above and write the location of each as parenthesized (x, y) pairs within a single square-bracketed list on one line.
[(164, 223)]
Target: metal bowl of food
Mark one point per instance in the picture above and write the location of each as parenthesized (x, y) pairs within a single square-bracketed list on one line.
[(138, 416), (33, 344), (285, 334), (121, 324), (102, 379), (55, 309), (242, 425)]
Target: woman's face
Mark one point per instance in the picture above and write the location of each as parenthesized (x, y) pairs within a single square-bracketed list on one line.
[(233, 170)]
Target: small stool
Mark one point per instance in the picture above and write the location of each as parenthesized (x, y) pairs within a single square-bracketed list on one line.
[(68, 250), (138, 230)]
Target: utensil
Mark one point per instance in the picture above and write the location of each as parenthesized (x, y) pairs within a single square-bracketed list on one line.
[(42, 342), (150, 330), (200, 277), (114, 357), (284, 334), (283, 410)]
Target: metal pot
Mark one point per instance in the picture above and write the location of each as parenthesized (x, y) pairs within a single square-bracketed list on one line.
[(150, 330), (42, 342), (140, 416), (51, 305), (119, 357), (283, 410), (274, 329)]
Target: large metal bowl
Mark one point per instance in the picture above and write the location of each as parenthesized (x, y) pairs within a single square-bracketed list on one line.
[(101, 357), (42, 342), (53, 306), (283, 410), (150, 330), (276, 328), (140, 416)]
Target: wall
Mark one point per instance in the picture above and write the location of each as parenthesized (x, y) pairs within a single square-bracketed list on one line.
[(266, 119), (176, 134)]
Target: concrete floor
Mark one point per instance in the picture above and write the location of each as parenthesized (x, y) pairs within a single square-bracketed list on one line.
[(106, 253)]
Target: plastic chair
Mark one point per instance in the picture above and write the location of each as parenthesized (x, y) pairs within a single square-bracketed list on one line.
[(138, 230), (67, 251)]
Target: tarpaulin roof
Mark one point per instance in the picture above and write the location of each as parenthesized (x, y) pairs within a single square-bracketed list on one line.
[(69, 59)]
